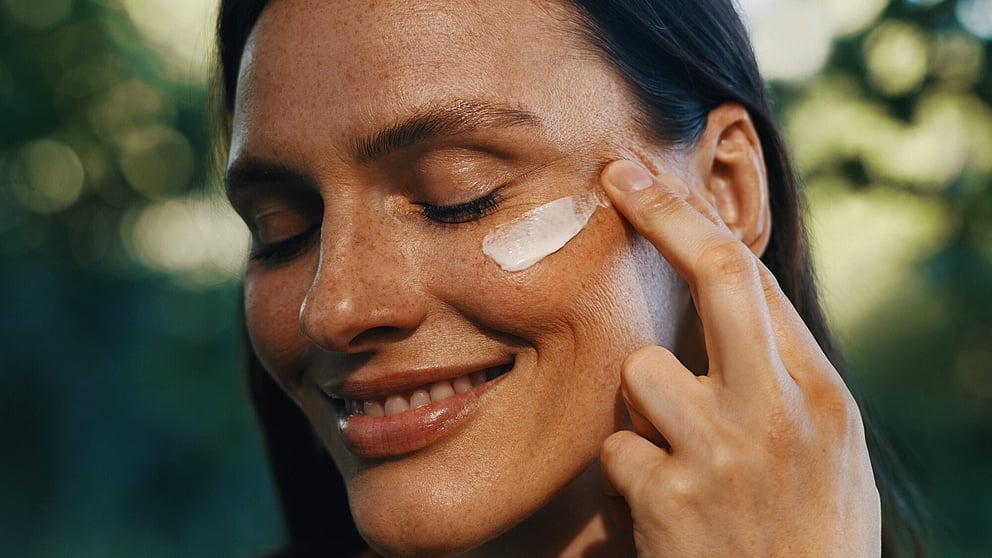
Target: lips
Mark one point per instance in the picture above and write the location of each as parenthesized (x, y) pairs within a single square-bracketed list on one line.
[(385, 419)]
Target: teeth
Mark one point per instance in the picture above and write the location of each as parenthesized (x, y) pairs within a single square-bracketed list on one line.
[(419, 398), (441, 391), (462, 384), (396, 404), (438, 391), (373, 409)]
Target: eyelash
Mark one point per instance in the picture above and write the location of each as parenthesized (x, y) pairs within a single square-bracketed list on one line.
[(447, 214), (461, 213), (278, 252)]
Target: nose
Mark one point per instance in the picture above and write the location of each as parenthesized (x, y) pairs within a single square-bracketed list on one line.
[(363, 294)]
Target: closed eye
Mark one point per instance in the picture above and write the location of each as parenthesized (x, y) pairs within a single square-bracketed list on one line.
[(462, 213), (283, 250)]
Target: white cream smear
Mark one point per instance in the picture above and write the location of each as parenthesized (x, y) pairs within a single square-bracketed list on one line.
[(540, 232)]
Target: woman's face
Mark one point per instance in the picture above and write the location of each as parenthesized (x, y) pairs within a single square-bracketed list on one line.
[(356, 126)]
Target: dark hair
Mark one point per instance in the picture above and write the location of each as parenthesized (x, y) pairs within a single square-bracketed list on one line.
[(681, 59)]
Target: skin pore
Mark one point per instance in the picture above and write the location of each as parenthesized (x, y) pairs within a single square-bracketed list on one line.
[(370, 296)]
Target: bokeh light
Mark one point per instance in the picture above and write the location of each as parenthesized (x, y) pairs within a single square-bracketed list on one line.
[(976, 16), (848, 17), (896, 54), (179, 30), (956, 58), (791, 40), (157, 161), (199, 242), (129, 104), (865, 242), (46, 176)]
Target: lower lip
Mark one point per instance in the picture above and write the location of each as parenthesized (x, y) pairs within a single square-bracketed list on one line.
[(379, 437)]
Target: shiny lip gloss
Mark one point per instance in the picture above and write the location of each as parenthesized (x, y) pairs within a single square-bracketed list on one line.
[(372, 437)]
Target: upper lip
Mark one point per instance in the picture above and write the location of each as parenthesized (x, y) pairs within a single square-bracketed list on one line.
[(379, 384)]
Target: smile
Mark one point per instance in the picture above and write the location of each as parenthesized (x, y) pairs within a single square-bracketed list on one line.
[(378, 422), (438, 391)]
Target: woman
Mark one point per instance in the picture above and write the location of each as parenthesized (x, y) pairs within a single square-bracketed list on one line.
[(655, 382)]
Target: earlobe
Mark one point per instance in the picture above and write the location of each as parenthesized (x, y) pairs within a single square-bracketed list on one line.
[(731, 166)]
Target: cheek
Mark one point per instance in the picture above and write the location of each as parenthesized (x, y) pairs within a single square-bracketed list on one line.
[(600, 284), (574, 316), (272, 306)]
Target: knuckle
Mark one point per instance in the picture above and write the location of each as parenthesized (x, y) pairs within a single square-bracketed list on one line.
[(725, 462), (726, 261), (768, 277), (786, 421), (850, 419), (770, 284), (735, 454), (787, 429), (682, 489), (659, 206), (836, 410)]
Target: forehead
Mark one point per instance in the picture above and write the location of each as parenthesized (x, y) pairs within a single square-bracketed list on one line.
[(352, 66)]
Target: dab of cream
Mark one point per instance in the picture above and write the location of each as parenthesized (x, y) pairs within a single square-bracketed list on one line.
[(542, 231)]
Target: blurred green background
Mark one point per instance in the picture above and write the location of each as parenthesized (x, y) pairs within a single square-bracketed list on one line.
[(123, 424)]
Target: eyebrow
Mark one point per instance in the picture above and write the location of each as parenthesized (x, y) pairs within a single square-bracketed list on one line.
[(458, 117)]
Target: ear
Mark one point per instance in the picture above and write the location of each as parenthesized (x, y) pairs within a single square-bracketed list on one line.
[(731, 168)]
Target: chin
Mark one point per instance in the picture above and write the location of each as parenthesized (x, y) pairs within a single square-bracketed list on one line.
[(433, 548), (418, 532), (421, 506)]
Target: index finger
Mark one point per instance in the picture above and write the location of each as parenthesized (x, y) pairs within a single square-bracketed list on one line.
[(721, 270)]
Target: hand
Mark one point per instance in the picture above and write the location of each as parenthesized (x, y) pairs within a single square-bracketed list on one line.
[(767, 452)]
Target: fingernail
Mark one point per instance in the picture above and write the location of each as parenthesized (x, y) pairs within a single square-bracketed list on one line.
[(627, 175)]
